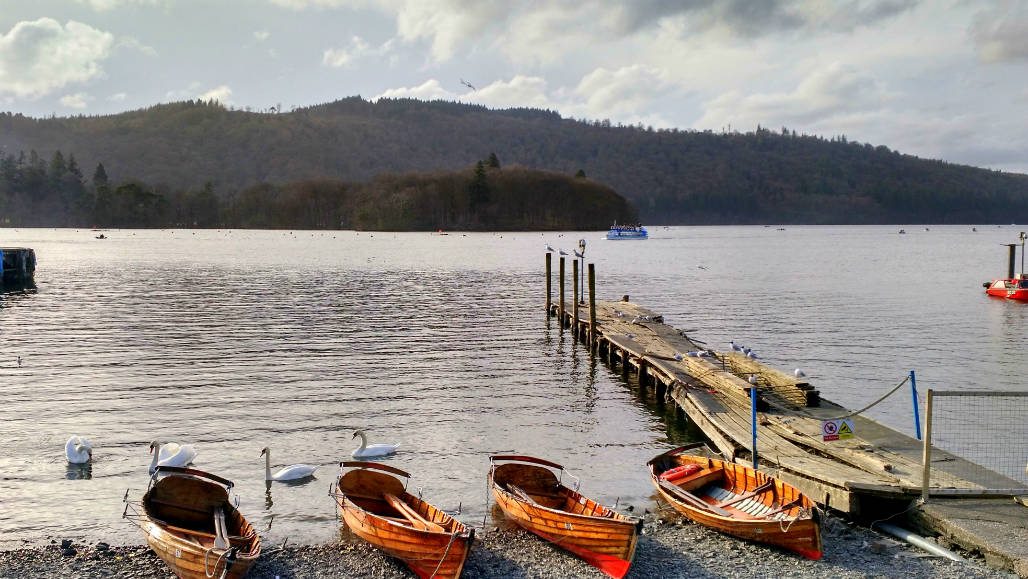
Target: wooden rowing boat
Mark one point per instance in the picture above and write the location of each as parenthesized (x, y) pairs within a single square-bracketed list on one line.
[(738, 500), (192, 525), (531, 494), (374, 503)]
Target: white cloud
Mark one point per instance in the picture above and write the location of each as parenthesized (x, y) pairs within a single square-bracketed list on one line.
[(261, 35), (622, 93), (134, 44), (836, 90), (41, 56), (222, 94), (428, 91), (302, 4), (117, 97), (1001, 33), (75, 101), (520, 91), (340, 57)]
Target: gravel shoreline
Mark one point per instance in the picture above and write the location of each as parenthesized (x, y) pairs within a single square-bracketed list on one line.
[(669, 547)]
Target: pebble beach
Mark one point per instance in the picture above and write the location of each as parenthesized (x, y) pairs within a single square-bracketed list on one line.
[(669, 547)]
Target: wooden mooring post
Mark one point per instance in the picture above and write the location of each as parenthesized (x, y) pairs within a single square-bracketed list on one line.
[(549, 286), (592, 306), (560, 320), (17, 265), (574, 296)]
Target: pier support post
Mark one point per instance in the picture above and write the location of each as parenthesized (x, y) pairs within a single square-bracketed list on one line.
[(574, 297), (549, 267), (624, 363), (561, 292), (927, 471), (592, 305)]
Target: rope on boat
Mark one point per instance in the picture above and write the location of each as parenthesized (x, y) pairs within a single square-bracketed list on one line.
[(206, 562), (453, 537)]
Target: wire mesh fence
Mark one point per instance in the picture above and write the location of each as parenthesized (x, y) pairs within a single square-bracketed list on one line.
[(988, 429)]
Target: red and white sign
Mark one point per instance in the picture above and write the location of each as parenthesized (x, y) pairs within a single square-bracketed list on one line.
[(837, 429)]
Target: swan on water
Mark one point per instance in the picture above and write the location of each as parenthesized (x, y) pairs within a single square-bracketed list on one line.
[(799, 373), (179, 455), (78, 450), (291, 472), (367, 451)]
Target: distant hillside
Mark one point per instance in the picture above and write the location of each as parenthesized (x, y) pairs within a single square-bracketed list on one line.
[(673, 177)]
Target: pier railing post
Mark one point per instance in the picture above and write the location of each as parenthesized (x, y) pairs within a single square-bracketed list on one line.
[(753, 412), (574, 297), (561, 324), (926, 473), (592, 305), (917, 416), (549, 267)]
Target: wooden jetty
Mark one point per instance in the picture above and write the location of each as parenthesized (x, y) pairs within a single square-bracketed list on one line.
[(873, 475), (17, 265)]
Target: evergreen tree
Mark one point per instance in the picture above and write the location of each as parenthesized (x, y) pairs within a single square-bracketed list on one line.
[(478, 194), (493, 161), (580, 174)]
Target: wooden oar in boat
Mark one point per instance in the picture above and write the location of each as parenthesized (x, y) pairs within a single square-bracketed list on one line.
[(411, 515)]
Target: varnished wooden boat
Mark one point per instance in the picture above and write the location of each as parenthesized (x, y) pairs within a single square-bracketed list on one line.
[(738, 500), (192, 525), (531, 494), (375, 505)]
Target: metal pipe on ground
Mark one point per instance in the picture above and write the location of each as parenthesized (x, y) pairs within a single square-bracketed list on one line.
[(918, 541)]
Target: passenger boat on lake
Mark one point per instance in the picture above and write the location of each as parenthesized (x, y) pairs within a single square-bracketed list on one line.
[(737, 500), (627, 232), (531, 495), (374, 503), (191, 524)]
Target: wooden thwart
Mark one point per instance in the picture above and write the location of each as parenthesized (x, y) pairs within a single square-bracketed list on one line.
[(759, 490), (692, 499), (411, 515)]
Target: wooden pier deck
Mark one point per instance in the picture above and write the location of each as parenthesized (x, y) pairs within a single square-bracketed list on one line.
[(875, 474)]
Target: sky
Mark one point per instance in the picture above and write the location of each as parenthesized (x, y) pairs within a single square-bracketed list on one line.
[(942, 79)]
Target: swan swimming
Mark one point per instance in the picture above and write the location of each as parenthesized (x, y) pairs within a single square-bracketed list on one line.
[(366, 451), (78, 450), (291, 472), (181, 455)]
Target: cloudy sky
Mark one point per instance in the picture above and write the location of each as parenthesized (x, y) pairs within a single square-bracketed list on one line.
[(944, 79)]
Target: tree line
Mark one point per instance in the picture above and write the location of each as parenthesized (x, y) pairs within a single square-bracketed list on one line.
[(35, 193), (672, 176)]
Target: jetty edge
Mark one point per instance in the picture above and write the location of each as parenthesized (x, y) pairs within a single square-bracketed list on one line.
[(877, 474)]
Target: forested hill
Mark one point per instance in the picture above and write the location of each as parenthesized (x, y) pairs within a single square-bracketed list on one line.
[(680, 177)]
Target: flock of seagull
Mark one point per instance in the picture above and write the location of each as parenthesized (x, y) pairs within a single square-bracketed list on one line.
[(79, 451)]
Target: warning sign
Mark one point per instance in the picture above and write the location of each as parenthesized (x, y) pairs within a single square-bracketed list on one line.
[(837, 429)]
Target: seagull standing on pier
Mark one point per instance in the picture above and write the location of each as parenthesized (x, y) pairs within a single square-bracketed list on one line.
[(562, 252), (799, 373), (549, 249), (736, 347)]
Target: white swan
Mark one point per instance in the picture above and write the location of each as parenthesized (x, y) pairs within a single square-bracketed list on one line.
[(366, 451), (291, 472), (183, 455), (78, 450)]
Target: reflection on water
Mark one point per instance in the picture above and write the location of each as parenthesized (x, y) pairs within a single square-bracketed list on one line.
[(79, 471), (235, 340)]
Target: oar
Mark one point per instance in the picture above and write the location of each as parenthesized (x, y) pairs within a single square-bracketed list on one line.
[(416, 520)]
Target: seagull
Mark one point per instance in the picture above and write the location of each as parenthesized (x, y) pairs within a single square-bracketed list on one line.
[(562, 252), (467, 84), (736, 347), (751, 355), (577, 254), (692, 354), (19, 361), (753, 379), (799, 373), (746, 351), (549, 249), (678, 356), (629, 336)]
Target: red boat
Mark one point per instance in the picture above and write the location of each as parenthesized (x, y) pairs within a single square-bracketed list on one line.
[(1013, 287)]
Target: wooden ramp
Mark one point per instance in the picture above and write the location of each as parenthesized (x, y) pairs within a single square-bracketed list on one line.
[(852, 475)]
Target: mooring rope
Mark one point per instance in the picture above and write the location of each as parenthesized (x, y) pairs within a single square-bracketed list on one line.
[(856, 412)]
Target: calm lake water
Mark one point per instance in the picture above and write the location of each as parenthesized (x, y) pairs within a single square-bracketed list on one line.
[(236, 340)]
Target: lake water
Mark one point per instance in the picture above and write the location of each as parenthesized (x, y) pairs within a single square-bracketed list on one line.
[(236, 340)]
